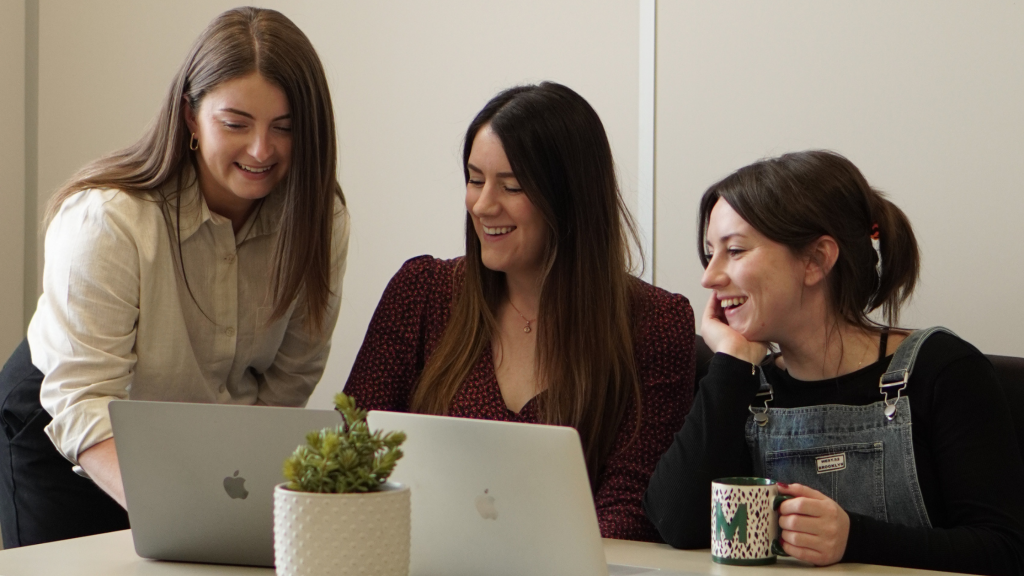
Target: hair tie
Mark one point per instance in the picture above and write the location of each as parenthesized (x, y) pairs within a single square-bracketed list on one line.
[(877, 245)]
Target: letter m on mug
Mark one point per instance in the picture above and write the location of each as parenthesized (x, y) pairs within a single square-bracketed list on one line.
[(726, 531)]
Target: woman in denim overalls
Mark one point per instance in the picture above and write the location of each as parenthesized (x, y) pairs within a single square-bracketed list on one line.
[(897, 445)]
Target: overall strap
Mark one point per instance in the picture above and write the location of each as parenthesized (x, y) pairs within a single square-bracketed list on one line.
[(896, 377), (764, 392)]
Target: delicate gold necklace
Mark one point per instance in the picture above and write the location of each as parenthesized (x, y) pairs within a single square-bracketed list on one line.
[(528, 321)]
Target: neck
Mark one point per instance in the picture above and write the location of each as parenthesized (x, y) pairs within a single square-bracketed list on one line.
[(829, 351), (524, 292), (227, 205), (238, 214)]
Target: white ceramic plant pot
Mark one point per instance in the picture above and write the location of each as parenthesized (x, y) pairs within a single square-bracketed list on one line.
[(342, 534)]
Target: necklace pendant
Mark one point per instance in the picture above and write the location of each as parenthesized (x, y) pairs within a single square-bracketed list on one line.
[(525, 319)]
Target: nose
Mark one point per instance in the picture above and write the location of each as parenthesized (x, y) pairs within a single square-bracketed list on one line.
[(485, 204), (261, 148), (714, 276)]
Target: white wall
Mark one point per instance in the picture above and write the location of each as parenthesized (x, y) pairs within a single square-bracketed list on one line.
[(103, 70), (406, 78), (925, 96), (12, 175)]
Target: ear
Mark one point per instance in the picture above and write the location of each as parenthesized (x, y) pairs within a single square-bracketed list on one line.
[(190, 116), (821, 257)]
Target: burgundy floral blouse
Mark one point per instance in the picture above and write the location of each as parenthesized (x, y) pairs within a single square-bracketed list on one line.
[(408, 324)]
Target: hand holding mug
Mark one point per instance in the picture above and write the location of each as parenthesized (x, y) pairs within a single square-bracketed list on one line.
[(814, 528)]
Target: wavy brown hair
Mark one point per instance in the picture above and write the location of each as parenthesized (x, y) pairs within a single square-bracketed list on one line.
[(159, 166), (796, 198), (558, 150)]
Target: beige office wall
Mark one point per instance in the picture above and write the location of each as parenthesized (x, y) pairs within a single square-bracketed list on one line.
[(103, 70), (406, 77), (12, 174), (925, 96)]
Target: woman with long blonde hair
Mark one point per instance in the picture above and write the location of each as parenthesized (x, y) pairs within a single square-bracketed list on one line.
[(541, 321), (158, 257)]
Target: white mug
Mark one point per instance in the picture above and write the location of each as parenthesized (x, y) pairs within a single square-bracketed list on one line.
[(745, 521)]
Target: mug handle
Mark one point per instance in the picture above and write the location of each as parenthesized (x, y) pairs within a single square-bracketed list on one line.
[(776, 545)]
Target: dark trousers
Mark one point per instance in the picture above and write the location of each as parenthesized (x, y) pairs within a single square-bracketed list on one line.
[(41, 498)]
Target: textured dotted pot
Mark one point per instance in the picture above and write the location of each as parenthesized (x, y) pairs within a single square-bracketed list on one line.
[(342, 534)]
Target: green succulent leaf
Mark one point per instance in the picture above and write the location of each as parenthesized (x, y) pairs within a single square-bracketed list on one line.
[(349, 458)]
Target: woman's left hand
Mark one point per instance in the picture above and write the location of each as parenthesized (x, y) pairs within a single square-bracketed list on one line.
[(814, 528)]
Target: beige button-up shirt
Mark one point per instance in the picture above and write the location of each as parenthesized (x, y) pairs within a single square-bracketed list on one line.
[(117, 319)]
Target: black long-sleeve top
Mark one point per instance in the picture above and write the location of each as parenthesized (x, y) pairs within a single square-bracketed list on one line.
[(968, 463)]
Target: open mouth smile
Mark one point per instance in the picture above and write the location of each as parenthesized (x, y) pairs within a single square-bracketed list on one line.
[(254, 169), (497, 230), (729, 304)]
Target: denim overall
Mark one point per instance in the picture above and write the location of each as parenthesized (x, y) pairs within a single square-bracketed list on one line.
[(860, 456)]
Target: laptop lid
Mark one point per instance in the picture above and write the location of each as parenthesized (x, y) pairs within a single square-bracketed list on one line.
[(199, 478), (496, 498)]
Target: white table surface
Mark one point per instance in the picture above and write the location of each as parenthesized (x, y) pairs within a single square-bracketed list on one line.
[(114, 555)]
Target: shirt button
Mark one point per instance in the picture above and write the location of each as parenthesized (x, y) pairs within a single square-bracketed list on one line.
[(229, 258), (230, 331)]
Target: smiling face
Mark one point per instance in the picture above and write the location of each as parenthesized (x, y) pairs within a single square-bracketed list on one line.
[(511, 230), (759, 284), (243, 128)]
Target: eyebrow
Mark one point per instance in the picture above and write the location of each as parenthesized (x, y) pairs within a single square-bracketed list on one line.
[(500, 174), (250, 116), (726, 238)]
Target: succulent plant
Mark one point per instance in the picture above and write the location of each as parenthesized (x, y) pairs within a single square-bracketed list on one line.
[(345, 459)]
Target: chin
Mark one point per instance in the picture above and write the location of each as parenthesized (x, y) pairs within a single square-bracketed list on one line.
[(250, 194), (745, 331), (753, 336), (493, 264), (493, 268)]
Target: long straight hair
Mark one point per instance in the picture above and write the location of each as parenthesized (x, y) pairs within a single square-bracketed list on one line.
[(558, 150), (159, 166)]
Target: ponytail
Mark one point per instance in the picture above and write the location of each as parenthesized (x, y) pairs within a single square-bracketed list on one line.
[(901, 260)]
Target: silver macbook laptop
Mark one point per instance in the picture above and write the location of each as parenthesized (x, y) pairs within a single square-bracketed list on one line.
[(498, 498), (199, 478)]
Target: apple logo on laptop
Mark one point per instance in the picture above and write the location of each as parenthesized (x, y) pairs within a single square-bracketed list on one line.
[(485, 506), (235, 486)]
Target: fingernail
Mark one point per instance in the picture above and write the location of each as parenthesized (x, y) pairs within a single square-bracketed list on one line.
[(782, 484)]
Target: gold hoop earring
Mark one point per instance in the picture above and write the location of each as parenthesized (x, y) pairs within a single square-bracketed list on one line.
[(193, 143)]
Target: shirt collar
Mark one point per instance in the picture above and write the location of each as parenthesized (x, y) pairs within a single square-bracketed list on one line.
[(265, 219), (187, 210), (195, 213)]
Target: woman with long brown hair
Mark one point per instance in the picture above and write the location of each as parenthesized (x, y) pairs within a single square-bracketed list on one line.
[(156, 284), (897, 445), (542, 320)]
